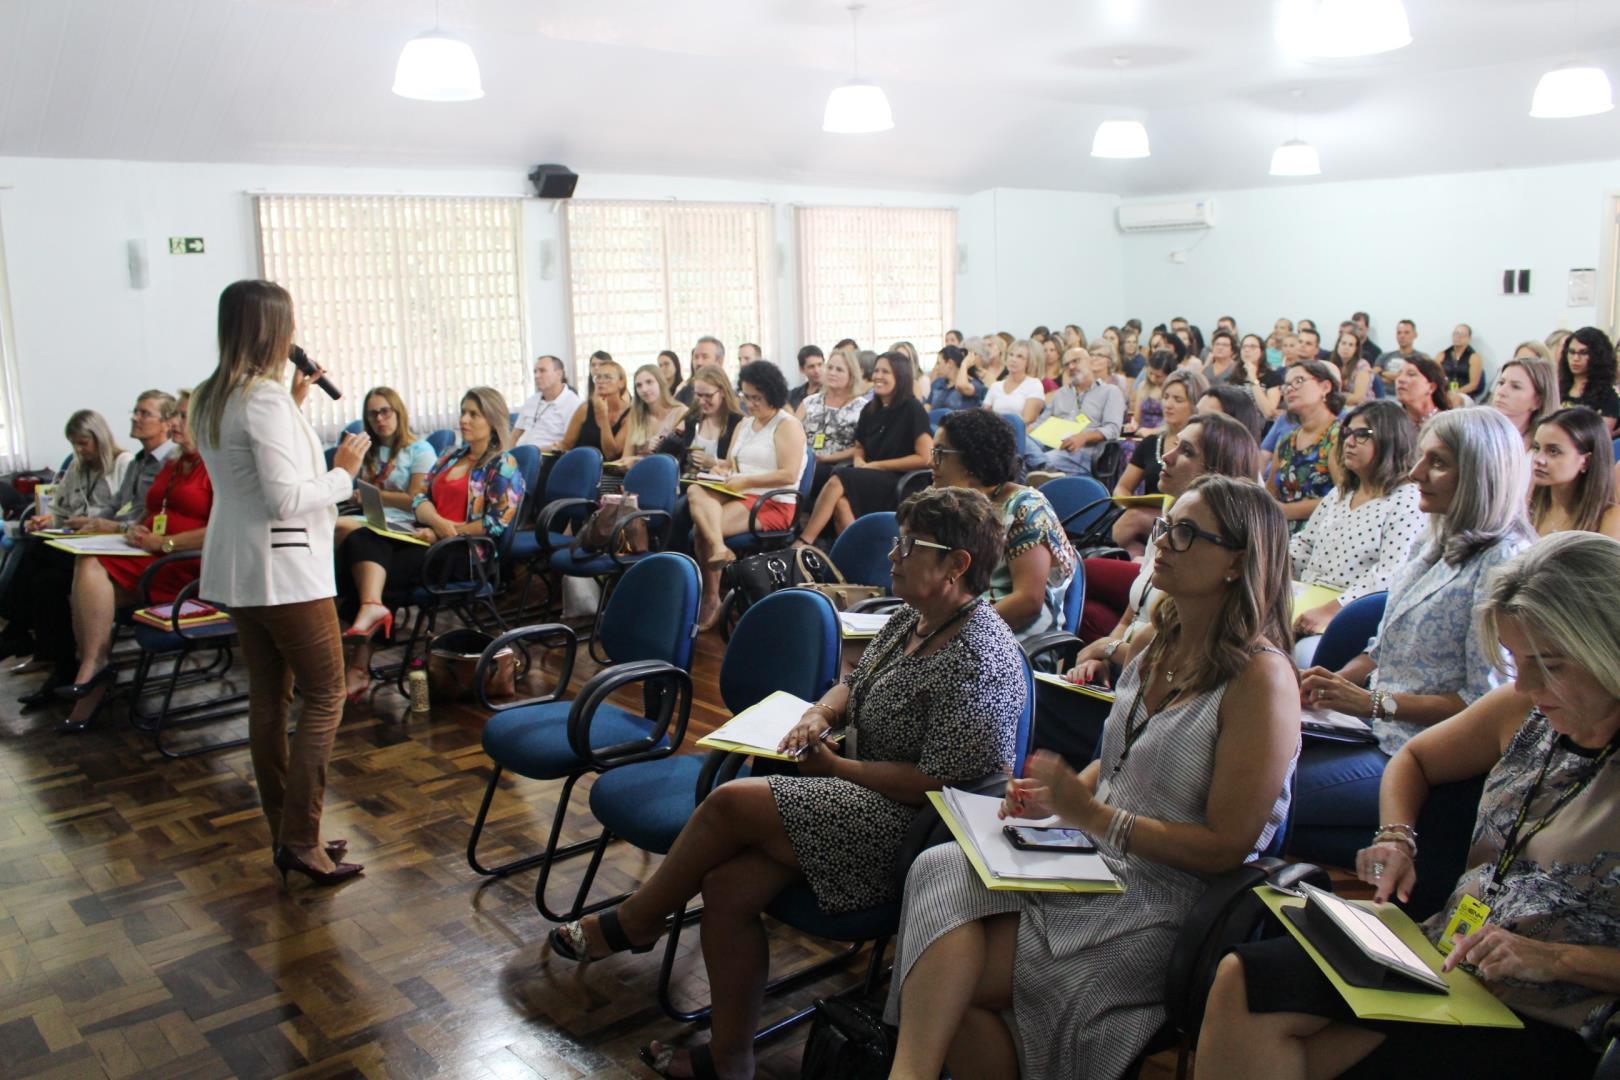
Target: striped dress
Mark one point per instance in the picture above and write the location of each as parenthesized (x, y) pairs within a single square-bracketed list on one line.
[(1088, 974)]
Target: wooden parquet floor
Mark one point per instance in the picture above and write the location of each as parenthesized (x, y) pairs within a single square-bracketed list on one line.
[(143, 932)]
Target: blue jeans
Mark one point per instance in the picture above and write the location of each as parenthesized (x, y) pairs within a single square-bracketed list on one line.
[(1068, 462), (1335, 801)]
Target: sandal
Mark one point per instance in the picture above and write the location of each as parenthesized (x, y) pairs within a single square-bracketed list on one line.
[(569, 941), (700, 1058)]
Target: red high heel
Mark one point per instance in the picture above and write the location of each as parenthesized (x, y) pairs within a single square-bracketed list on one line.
[(386, 623)]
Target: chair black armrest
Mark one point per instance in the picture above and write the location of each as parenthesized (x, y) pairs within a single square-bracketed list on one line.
[(1609, 1065), (902, 487), (439, 566), (876, 603), (143, 585), (928, 829), (189, 633), (552, 635), (1086, 509), (549, 513), (624, 523), (753, 513), (721, 766), (673, 714), (1052, 641)]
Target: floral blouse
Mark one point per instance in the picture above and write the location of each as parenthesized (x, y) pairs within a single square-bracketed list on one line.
[(494, 490), (831, 430), (1030, 520), (1304, 474)]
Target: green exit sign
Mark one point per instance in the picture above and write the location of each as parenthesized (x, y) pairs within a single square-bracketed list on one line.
[(185, 245)]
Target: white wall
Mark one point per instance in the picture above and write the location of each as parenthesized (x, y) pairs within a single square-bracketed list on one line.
[(85, 338), (1429, 248)]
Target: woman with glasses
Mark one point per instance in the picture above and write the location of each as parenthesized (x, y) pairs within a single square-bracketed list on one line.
[(704, 436), (1363, 532), (975, 449), (831, 414), (1265, 379), (869, 752), (1303, 474), (600, 421), (1586, 374), (1427, 660), (1572, 475), (397, 463), (1141, 476), (767, 454), (1192, 781)]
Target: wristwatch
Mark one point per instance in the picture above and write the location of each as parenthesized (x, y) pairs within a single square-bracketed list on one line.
[(1112, 647), (168, 545)]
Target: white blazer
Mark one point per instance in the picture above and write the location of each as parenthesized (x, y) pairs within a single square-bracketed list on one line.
[(275, 503)]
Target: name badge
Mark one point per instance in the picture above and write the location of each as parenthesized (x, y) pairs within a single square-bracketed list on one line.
[(160, 523), (819, 441), (1469, 915)]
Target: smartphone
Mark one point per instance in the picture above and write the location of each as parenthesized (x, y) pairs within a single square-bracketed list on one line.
[(1047, 838)]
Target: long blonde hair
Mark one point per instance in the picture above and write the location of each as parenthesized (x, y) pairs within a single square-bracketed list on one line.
[(852, 364), (492, 404), (643, 427), (255, 336), (88, 422), (1565, 592), (714, 375)]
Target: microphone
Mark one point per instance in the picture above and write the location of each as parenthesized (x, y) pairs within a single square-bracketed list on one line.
[(303, 363)]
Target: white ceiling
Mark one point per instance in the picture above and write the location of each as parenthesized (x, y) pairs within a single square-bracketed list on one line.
[(986, 93)]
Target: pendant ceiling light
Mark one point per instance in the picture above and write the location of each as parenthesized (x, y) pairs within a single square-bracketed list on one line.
[(1296, 157), (1119, 137), (1572, 91), (1345, 28), (858, 107), (437, 67)]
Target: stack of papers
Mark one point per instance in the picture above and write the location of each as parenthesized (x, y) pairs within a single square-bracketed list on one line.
[(859, 625), (974, 821), (1052, 431), (760, 729), (1100, 693), (97, 544)]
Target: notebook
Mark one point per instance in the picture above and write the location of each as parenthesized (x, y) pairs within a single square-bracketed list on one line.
[(1333, 726), (1307, 597), (974, 822), (97, 544), (862, 625)]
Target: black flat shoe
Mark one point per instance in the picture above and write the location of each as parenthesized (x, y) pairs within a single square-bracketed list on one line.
[(75, 691)]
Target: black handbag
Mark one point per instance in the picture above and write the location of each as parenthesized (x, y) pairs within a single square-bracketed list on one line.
[(848, 1041), (750, 580)]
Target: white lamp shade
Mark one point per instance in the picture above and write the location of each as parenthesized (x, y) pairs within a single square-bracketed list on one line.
[(1344, 28), (437, 67), (1572, 91), (857, 108), (1295, 158), (1120, 139)]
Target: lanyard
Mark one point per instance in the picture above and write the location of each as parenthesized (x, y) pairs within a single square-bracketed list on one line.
[(888, 658), (1514, 845)]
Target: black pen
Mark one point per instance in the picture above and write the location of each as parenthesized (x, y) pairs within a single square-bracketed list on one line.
[(805, 749)]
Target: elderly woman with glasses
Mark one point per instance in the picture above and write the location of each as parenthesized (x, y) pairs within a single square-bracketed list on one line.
[(838, 823)]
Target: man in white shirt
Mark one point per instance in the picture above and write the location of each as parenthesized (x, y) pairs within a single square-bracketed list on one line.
[(1101, 403), (544, 417)]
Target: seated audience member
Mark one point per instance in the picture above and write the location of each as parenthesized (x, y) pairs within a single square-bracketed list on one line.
[(976, 371), (831, 414), (1355, 372), (1209, 445), (1237, 402), (945, 390), (653, 413), (703, 437), (1148, 409), (175, 518), (1051, 363), (474, 489), (974, 449), (1310, 344), (1572, 475), (1543, 858), (892, 438), (1586, 373), (910, 352), (1420, 388), (1073, 335), (669, 364), (89, 488), (1363, 533), (543, 419), (1181, 389), (397, 462), (1018, 392), (1526, 391), (1101, 403), (1555, 343), (1533, 350), (767, 452), (152, 424), (1106, 368), (599, 423), (708, 351), (953, 337), (811, 360), (1224, 365), (1263, 378), (1131, 357), (1191, 781), (1303, 473), (1427, 661), (838, 823), (1390, 363), (1463, 367)]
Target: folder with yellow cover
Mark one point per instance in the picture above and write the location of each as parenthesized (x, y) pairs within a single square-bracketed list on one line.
[(1099, 693), (1466, 1001), (972, 820), (1307, 597), (759, 729), (1158, 503), (1052, 431), (712, 481)]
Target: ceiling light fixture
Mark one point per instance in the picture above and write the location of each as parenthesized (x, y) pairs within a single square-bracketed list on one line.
[(1344, 28), (1570, 91), (1296, 157), (1119, 137), (437, 67), (858, 107)]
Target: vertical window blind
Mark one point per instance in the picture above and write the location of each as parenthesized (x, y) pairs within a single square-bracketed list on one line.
[(877, 275), (647, 276), (13, 450), (421, 293)]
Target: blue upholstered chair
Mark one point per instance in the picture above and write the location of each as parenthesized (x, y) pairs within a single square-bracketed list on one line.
[(1349, 631), (647, 632), (1020, 434), (1084, 507), (861, 551), (354, 427), (567, 500), (442, 439)]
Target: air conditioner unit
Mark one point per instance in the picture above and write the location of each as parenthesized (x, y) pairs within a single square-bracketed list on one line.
[(1165, 216)]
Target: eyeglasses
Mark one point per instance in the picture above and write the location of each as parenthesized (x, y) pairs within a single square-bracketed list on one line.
[(940, 452), (1579, 350), (905, 543), (380, 414), (1183, 533), (711, 395), (1295, 384), (1358, 434), (146, 414), (753, 399)]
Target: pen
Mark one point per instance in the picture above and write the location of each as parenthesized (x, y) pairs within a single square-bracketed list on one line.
[(805, 749)]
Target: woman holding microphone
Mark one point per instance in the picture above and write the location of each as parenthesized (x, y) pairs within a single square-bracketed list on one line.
[(268, 556)]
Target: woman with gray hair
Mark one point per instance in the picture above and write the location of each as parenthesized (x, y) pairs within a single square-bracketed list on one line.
[(1428, 660)]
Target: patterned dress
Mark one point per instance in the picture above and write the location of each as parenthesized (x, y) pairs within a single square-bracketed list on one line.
[(1304, 474), (1030, 520), (1088, 973), (830, 430), (844, 835)]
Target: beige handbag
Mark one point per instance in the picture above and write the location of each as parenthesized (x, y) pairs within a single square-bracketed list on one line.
[(453, 660)]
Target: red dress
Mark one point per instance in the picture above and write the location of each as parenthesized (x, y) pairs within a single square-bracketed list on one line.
[(189, 497)]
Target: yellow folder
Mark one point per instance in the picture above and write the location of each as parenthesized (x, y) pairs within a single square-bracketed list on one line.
[(1159, 502), (404, 538), (965, 842), (712, 485), (1096, 692), (1469, 1004), (1307, 597), (1052, 431)]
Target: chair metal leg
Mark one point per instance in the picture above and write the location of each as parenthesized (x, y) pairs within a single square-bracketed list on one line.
[(202, 712), (874, 974), (607, 584), (543, 858), (579, 908)]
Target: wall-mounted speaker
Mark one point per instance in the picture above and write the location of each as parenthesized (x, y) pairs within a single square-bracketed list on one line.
[(553, 181)]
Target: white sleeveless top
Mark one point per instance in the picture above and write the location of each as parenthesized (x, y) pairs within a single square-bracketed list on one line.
[(754, 452)]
